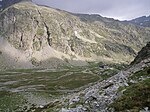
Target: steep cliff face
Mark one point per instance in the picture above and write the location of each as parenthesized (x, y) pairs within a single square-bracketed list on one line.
[(44, 36)]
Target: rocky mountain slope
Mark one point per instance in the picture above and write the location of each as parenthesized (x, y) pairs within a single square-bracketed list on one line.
[(136, 95), (142, 21), (33, 36)]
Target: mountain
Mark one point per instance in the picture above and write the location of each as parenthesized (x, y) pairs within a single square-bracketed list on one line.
[(141, 21), (38, 37), (33, 36)]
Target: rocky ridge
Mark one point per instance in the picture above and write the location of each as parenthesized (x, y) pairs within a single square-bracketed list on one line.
[(141, 21)]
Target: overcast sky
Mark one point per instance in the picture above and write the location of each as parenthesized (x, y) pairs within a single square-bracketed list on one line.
[(118, 9)]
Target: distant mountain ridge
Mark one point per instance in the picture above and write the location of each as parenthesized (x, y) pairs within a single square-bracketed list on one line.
[(141, 21)]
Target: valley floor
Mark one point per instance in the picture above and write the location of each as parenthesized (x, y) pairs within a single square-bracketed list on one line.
[(26, 89), (93, 88)]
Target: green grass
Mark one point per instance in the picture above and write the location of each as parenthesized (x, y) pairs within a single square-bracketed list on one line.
[(143, 73), (52, 81), (77, 80), (135, 98), (55, 84), (10, 101), (23, 70)]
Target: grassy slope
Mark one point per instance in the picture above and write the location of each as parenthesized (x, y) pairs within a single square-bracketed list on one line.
[(136, 96)]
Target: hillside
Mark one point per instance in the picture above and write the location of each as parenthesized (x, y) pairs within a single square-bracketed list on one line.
[(33, 36), (136, 96)]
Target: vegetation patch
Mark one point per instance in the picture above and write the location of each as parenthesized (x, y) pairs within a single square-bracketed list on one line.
[(47, 84), (136, 96), (36, 45), (40, 31), (10, 102), (141, 74)]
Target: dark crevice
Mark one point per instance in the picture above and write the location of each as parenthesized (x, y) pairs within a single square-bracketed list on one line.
[(21, 40), (49, 39), (40, 42), (72, 48), (14, 23), (34, 38)]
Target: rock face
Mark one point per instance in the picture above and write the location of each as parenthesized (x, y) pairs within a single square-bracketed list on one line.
[(143, 54), (37, 36)]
